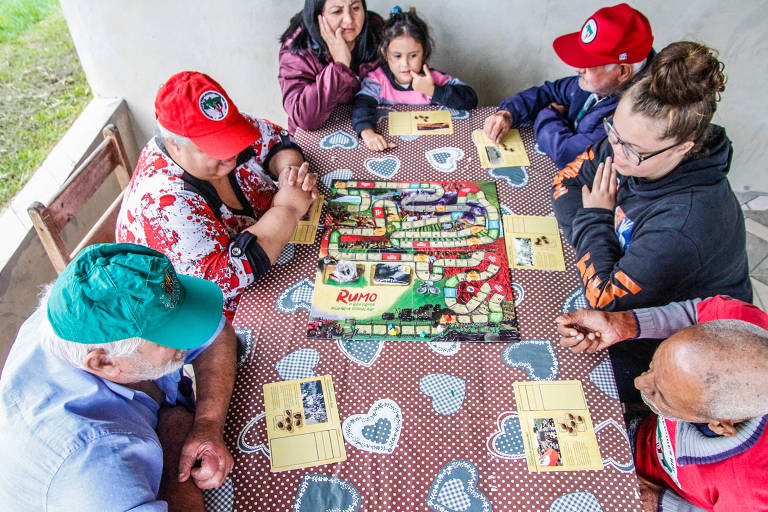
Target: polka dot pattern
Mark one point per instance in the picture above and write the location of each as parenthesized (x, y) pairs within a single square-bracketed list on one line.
[(401, 480)]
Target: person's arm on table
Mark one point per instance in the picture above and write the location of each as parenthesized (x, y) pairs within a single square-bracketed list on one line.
[(591, 330), (522, 108), (215, 378), (555, 137), (364, 113), (296, 192)]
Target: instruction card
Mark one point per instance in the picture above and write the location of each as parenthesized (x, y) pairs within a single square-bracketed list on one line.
[(303, 426), (428, 122), (306, 229), (509, 152), (557, 429), (533, 242)]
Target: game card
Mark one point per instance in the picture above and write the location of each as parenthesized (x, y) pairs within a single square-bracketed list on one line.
[(303, 426), (428, 122), (509, 152), (533, 242), (556, 426), (306, 229)]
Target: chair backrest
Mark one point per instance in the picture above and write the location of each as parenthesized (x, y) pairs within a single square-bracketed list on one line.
[(49, 221)]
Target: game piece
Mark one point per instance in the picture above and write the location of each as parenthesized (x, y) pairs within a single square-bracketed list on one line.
[(509, 152), (533, 242), (308, 438), (442, 262), (430, 122), (557, 429)]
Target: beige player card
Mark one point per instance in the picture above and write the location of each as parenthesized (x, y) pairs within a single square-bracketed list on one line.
[(306, 230), (509, 152), (428, 122), (533, 242), (557, 428), (303, 426)]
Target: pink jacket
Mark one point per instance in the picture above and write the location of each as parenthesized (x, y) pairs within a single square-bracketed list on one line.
[(311, 91)]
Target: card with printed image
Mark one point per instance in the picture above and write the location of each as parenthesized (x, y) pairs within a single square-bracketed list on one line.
[(509, 152), (428, 122)]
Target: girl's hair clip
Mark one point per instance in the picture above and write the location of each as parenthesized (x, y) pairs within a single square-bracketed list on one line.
[(397, 10)]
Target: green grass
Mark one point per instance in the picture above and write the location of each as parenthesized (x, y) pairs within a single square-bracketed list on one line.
[(42, 87)]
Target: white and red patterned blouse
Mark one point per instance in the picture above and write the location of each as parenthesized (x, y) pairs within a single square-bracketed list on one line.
[(169, 210)]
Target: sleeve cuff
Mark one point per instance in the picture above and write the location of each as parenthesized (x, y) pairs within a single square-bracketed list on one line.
[(286, 142), (670, 501), (246, 246)]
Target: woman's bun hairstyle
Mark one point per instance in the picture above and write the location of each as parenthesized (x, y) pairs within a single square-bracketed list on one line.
[(682, 87)]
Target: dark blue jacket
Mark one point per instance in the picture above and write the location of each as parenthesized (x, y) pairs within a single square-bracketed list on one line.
[(676, 238), (555, 135)]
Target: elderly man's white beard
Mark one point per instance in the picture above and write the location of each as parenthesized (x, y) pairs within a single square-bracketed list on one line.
[(655, 409), (145, 371)]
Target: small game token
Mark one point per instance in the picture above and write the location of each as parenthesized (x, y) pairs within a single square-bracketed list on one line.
[(280, 425), (394, 331), (297, 415), (289, 428), (423, 334)]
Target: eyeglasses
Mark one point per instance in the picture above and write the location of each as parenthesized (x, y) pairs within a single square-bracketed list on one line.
[(630, 153)]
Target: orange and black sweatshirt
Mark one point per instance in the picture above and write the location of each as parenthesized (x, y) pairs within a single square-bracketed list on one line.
[(679, 237)]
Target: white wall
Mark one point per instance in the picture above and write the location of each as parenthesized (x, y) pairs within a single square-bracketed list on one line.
[(128, 48)]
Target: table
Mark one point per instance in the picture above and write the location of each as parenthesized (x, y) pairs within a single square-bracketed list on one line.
[(471, 460)]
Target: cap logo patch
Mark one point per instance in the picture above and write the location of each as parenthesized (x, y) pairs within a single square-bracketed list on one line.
[(589, 31), (213, 105), (623, 56), (172, 288)]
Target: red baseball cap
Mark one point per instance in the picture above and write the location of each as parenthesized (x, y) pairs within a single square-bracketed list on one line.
[(612, 35), (195, 106)]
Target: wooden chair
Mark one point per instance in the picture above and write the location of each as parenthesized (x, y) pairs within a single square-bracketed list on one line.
[(50, 221)]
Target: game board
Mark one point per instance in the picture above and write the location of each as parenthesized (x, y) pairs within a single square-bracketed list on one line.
[(413, 261)]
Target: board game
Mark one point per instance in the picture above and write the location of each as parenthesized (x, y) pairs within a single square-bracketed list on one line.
[(413, 261)]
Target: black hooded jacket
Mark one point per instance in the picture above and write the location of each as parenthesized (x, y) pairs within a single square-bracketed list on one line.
[(675, 238)]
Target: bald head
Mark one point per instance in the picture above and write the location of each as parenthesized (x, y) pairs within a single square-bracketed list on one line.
[(729, 359)]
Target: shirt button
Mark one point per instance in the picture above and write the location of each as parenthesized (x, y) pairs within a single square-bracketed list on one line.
[(236, 251)]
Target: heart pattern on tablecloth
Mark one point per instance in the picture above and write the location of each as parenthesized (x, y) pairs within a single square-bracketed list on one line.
[(364, 431), (536, 356), (385, 167), (602, 377), (364, 352), (338, 174), (322, 493), (610, 433), (286, 255), (515, 177), (507, 441), (456, 113), (297, 296), (444, 159), (244, 345), (447, 392), (253, 437), (519, 293), (445, 348), (299, 364), (538, 150), (409, 138), (505, 210), (220, 499), (583, 501), (454, 489), (575, 300), (339, 139)]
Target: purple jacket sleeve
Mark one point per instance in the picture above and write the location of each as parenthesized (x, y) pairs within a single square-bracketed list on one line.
[(311, 91)]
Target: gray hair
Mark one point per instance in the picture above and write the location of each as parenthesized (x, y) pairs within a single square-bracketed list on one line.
[(164, 133), (731, 358), (636, 66), (75, 353)]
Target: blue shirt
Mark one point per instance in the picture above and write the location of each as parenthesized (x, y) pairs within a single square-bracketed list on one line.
[(73, 441)]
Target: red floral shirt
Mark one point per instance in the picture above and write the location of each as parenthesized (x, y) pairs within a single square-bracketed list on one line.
[(169, 210)]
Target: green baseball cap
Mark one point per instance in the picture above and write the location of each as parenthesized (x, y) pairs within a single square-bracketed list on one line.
[(112, 292)]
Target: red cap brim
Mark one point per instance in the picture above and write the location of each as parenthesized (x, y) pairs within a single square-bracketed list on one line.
[(570, 51), (229, 141)]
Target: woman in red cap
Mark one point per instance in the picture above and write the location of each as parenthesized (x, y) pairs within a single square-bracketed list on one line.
[(328, 47), (649, 208)]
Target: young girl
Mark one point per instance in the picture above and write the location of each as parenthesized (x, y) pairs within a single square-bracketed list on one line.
[(672, 229), (403, 78)]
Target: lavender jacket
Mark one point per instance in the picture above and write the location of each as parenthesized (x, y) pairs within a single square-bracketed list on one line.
[(312, 90)]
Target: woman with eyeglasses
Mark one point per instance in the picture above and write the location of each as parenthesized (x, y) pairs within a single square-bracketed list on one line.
[(649, 208)]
